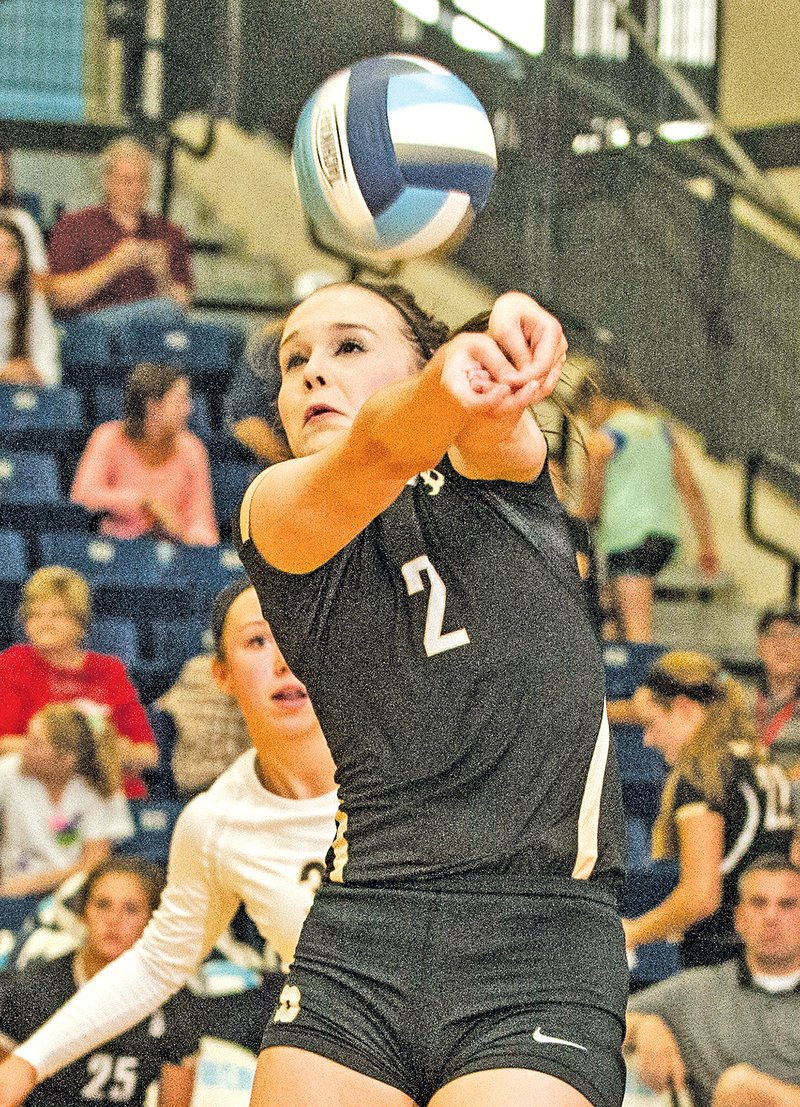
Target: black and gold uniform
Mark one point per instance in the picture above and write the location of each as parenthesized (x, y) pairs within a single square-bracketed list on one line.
[(456, 676)]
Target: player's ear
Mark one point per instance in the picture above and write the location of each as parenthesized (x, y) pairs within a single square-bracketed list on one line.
[(221, 674)]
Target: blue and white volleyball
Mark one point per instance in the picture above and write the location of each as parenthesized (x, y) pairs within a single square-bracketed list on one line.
[(393, 158)]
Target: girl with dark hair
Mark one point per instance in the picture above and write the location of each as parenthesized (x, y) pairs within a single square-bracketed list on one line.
[(10, 209), (115, 904), (464, 947), (724, 803), (28, 343), (61, 801), (148, 473)]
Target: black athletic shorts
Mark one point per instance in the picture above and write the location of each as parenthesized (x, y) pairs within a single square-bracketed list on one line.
[(416, 988), (646, 560)]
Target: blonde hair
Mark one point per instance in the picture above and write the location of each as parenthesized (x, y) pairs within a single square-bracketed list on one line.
[(706, 758), (123, 148), (92, 739), (56, 582)]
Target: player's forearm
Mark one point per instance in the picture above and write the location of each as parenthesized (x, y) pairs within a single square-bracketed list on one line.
[(516, 452), (408, 427), (114, 1000)]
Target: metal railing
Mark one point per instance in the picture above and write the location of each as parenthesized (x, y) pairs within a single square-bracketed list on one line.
[(783, 475)]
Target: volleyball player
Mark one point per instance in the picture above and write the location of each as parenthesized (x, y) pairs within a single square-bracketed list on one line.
[(416, 569), (258, 836)]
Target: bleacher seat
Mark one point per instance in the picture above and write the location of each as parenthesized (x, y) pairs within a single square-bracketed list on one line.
[(115, 636), (198, 348), (208, 569), (229, 482), (86, 354), (30, 494), (41, 418), (154, 820), (187, 637), (107, 401), (14, 571), (137, 579)]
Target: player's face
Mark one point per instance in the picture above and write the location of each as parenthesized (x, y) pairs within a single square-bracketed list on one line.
[(255, 673), (779, 649), (115, 915), (338, 347), (127, 184), (666, 729), (768, 920), (50, 626)]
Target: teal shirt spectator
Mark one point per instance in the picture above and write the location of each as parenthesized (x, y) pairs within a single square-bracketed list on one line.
[(640, 497)]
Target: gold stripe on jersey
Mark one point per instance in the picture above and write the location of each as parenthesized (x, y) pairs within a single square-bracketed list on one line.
[(244, 510), (589, 817), (340, 848)]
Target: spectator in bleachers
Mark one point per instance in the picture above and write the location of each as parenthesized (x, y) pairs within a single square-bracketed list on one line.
[(210, 731), (148, 473), (11, 209), (776, 709), (258, 836), (53, 667), (29, 352), (116, 260), (61, 803), (115, 904), (724, 803), (731, 1032), (251, 403), (636, 476)]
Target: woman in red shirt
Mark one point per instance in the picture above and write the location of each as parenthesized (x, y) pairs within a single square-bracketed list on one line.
[(52, 667)]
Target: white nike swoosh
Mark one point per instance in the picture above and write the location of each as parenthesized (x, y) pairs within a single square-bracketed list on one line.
[(539, 1036)]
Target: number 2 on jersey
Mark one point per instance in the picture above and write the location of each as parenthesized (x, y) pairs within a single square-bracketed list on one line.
[(433, 639)]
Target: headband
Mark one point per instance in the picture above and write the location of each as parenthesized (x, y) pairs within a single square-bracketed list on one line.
[(701, 691)]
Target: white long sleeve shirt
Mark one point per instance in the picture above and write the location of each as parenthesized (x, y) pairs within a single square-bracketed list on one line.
[(235, 843)]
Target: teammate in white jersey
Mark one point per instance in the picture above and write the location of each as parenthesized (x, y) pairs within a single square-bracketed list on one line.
[(258, 836)]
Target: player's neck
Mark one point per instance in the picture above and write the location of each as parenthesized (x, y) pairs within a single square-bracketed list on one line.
[(305, 774), (85, 965)]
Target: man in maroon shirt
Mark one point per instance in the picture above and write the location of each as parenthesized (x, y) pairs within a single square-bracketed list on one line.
[(116, 260)]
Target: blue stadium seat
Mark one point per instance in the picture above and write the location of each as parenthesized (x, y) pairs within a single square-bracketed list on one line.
[(196, 347), (187, 637), (229, 482), (30, 495), (14, 571), (107, 401), (115, 636), (136, 579), (41, 418), (154, 820), (208, 569), (86, 353)]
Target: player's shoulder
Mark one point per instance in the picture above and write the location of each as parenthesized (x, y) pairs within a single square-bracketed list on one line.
[(236, 785)]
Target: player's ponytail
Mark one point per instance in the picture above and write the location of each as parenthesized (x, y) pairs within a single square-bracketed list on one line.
[(91, 739), (726, 730)]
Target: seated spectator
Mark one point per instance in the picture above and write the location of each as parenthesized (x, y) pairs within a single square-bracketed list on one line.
[(210, 729), (251, 408), (117, 260), (776, 708), (731, 1032), (61, 804), (115, 903), (28, 344), (722, 806), (10, 209), (148, 474), (53, 667), (636, 475)]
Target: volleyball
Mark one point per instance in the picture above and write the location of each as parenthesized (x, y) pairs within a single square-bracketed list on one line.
[(393, 158)]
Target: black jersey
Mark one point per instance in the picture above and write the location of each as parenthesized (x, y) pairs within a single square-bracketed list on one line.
[(120, 1071), (454, 670), (757, 810)]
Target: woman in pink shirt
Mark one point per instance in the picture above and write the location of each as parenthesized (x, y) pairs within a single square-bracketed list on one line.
[(148, 474)]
